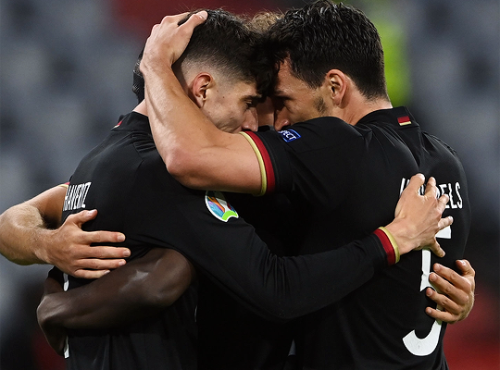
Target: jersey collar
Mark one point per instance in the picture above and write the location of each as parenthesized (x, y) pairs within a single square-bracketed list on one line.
[(134, 121)]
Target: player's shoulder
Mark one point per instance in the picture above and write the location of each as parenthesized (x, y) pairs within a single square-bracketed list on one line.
[(322, 125), (437, 141), (320, 133), (134, 132), (435, 144), (133, 149)]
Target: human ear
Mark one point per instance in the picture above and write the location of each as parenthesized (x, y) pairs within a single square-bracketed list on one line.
[(336, 84), (198, 91)]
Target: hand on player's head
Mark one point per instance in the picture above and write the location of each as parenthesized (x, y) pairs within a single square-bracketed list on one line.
[(168, 39)]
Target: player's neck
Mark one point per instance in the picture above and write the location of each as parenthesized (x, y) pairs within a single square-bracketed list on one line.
[(141, 108), (359, 106)]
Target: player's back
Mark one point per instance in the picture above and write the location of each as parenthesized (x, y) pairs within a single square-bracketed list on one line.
[(125, 179), (381, 325)]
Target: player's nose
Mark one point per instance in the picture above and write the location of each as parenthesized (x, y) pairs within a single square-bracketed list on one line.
[(251, 122), (280, 120)]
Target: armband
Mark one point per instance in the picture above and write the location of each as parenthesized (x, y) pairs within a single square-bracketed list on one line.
[(389, 244)]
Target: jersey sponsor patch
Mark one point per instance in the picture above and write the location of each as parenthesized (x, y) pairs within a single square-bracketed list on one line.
[(289, 135), (219, 206)]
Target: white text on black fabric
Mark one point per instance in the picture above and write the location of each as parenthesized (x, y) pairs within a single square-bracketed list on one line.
[(75, 196), (451, 189)]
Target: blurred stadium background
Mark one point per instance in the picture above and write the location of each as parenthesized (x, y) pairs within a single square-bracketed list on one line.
[(65, 77)]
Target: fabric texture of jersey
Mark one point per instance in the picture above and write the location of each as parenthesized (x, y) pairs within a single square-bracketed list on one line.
[(230, 335), (343, 182), (126, 180), (120, 178)]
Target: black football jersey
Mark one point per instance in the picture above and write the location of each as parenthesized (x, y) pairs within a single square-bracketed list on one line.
[(343, 181)]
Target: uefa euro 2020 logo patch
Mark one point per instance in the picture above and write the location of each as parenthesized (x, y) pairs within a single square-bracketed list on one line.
[(218, 206)]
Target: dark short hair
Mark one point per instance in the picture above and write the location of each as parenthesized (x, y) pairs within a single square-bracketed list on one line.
[(225, 42), (324, 36)]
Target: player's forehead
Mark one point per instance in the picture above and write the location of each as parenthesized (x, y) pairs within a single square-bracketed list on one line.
[(288, 85), (243, 89)]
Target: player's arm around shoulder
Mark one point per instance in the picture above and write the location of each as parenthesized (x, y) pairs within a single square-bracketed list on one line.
[(195, 152), (199, 155), (24, 226), (227, 163), (29, 234)]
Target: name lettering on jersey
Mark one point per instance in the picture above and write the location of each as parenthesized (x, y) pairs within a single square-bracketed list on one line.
[(453, 192), (289, 135), (450, 189), (219, 206), (75, 196)]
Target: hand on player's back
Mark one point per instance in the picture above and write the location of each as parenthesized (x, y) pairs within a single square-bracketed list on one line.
[(419, 217)]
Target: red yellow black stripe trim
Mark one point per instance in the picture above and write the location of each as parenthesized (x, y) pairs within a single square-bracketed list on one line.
[(268, 183), (390, 246)]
